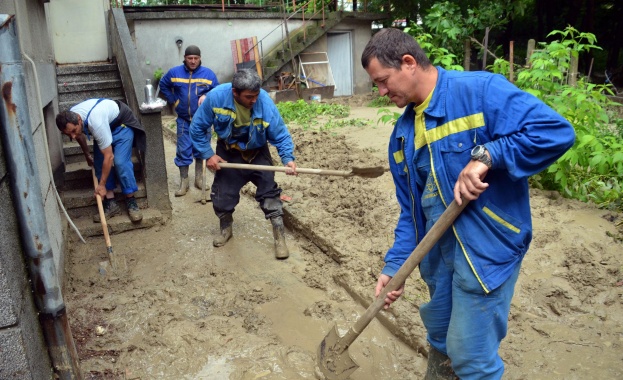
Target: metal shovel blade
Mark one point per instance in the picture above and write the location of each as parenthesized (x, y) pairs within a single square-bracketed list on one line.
[(370, 172), (333, 362)]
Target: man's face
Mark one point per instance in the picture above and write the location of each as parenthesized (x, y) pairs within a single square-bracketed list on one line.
[(73, 130), (192, 61), (246, 98), (398, 85)]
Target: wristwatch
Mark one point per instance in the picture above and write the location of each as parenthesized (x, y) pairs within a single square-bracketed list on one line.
[(479, 153)]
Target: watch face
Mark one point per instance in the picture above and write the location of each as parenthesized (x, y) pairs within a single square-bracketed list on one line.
[(477, 151)]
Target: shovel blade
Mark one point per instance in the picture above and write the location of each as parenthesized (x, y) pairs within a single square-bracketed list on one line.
[(370, 172), (333, 361)]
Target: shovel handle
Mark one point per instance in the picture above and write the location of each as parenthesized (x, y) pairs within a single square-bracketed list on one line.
[(100, 208), (432, 237), (269, 168)]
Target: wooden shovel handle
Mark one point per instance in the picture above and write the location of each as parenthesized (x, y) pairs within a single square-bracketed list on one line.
[(100, 208), (284, 169), (432, 237)]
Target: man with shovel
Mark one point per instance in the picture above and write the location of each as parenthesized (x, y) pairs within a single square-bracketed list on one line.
[(245, 120), (115, 131), (472, 137)]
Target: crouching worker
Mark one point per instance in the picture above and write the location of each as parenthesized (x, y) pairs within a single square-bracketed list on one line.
[(115, 131), (245, 120)]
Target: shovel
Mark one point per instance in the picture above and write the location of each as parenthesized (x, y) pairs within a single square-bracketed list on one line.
[(100, 207), (371, 172), (333, 359)]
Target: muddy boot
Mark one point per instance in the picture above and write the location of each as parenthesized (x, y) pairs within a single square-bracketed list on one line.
[(281, 250), (111, 208), (199, 174), (183, 182), (439, 366), (134, 212), (226, 222)]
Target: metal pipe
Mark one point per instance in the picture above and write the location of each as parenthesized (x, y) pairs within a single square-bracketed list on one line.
[(21, 163)]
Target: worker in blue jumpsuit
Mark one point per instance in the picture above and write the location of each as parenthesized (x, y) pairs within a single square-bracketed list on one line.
[(185, 86), (464, 136), (245, 120)]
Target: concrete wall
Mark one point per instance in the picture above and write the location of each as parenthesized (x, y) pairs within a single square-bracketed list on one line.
[(155, 37), (80, 33), (23, 354)]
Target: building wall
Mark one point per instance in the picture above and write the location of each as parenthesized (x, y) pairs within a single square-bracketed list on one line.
[(80, 33), (155, 40), (23, 354)]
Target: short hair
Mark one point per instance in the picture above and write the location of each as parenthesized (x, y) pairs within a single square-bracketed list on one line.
[(66, 117), (246, 80), (389, 46)]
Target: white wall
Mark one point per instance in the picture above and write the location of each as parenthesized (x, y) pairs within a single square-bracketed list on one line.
[(79, 30)]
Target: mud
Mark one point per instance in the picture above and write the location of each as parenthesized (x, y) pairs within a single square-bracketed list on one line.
[(186, 310)]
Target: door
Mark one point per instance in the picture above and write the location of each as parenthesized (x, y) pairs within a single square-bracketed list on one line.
[(340, 52)]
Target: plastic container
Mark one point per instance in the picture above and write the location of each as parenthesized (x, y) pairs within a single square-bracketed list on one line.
[(315, 98)]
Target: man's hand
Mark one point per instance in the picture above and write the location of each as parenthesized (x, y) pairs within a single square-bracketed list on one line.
[(391, 296), (291, 168), (89, 159), (469, 183), (100, 190), (213, 163), (201, 99)]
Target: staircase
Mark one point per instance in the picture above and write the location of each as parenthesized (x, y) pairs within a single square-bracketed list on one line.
[(77, 83), (300, 39)]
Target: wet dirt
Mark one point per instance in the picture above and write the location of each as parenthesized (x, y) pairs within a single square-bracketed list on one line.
[(186, 310)]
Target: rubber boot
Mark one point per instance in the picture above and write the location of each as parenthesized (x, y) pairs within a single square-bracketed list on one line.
[(225, 222), (183, 182), (439, 366), (281, 250), (199, 174)]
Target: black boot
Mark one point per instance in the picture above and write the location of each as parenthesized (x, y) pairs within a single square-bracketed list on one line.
[(225, 222), (439, 366), (281, 250)]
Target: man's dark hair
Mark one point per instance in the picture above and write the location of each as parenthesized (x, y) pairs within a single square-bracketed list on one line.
[(389, 46), (66, 117), (246, 80)]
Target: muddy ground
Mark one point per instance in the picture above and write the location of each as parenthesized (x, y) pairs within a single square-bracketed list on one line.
[(186, 310)]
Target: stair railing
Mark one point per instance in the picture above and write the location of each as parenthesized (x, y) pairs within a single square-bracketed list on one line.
[(284, 27)]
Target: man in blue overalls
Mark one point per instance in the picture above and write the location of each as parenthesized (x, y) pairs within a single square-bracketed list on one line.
[(115, 131), (186, 86), (464, 136)]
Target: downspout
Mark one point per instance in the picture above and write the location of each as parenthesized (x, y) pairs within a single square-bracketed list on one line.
[(16, 136)]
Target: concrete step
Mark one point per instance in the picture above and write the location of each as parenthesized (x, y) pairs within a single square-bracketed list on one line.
[(85, 68), (111, 74), (73, 98), (80, 169), (116, 224), (81, 202), (65, 105), (64, 88)]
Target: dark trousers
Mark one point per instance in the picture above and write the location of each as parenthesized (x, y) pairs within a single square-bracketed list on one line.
[(228, 183)]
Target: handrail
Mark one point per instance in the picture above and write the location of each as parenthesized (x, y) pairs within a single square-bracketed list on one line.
[(301, 8)]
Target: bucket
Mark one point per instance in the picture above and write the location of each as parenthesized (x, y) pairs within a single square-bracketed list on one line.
[(315, 98)]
